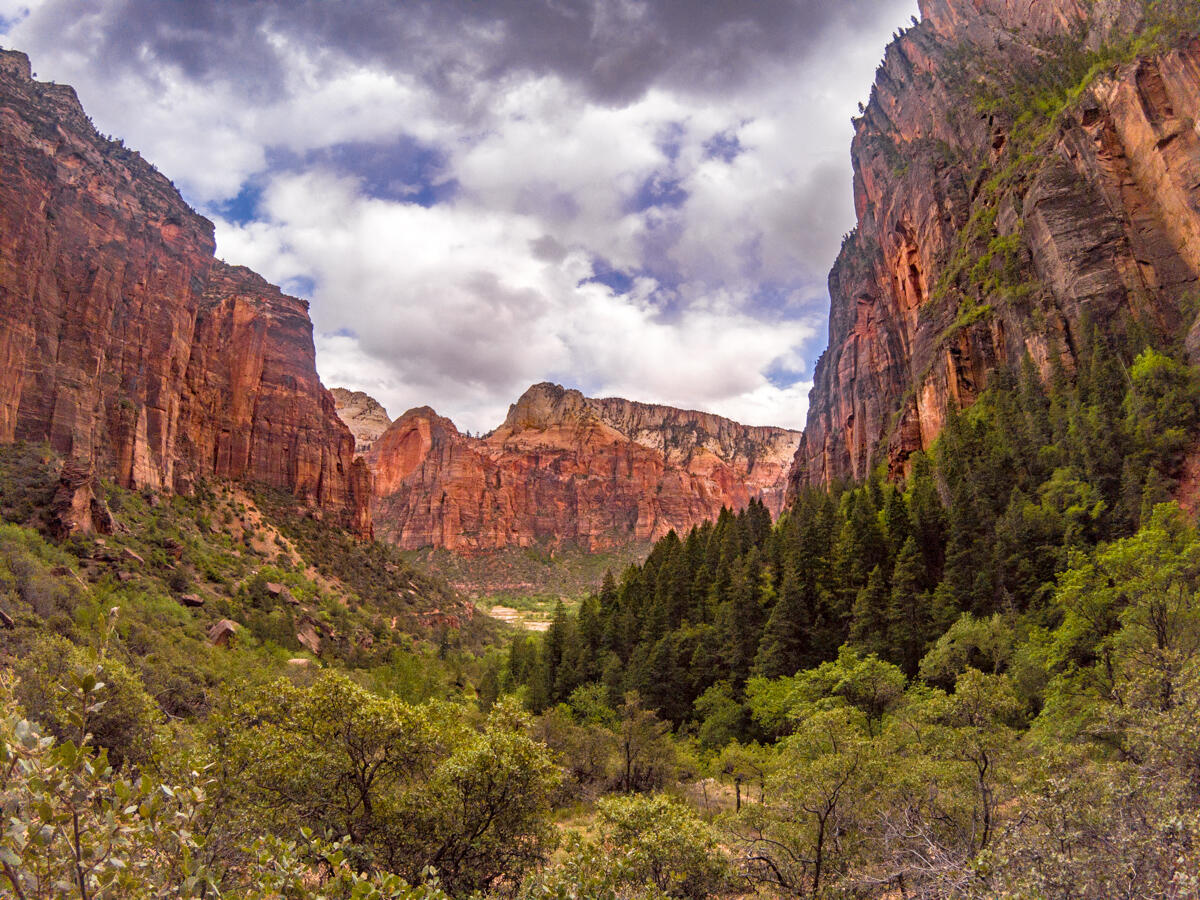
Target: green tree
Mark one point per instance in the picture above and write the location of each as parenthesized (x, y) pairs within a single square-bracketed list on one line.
[(649, 847), (871, 621), (784, 647), (484, 815), (73, 827), (808, 833), (647, 755), (722, 718), (908, 625), (125, 717)]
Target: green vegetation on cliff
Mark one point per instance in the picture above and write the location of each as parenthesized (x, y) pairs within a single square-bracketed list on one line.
[(979, 681)]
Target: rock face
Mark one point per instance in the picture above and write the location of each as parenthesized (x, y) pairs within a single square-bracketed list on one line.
[(125, 345), (984, 236), (363, 415), (566, 469), (78, 506)]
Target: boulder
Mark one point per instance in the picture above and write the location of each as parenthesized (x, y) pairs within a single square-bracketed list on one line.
[(309, 636), (78, 506), (222, 631)]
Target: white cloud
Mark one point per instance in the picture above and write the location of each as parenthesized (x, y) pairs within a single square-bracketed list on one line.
[(447, 306), (464, 304), (15, 10)]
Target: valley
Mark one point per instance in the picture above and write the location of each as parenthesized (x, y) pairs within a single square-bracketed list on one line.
[(260, 640)]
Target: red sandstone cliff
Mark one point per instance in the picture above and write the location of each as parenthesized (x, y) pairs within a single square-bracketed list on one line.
[(566, 469), (124, 344), (983, 236)]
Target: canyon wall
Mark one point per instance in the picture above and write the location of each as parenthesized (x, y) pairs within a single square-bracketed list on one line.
[(1023, 172), (363, 415), (565, 469), (126, 346)]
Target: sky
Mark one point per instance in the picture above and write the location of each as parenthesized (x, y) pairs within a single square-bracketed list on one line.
[(637, 198)]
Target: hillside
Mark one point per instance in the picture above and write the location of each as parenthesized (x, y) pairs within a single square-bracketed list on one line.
[(960, 660), (226, 579)]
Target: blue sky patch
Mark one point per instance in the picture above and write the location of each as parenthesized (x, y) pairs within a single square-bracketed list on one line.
[(788, 300), (244, 207), (724, 146), (658, 190), (670, 140), (783, 376), (402, 170), (614, 279), (6, 24), (299, 286)]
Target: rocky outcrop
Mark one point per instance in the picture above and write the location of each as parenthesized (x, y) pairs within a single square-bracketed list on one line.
[(124, 344), (565, 469), (78, 506), (363, 415), (991, 228)]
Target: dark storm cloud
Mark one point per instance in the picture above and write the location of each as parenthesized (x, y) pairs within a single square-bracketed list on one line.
[(614, 49), (654, 218), (207, 39)]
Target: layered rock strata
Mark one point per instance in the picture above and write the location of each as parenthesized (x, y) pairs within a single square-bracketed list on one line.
[(989, 230), (125, 345), (565, 469)]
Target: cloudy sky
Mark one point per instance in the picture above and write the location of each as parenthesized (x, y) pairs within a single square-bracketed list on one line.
[(633, 197)]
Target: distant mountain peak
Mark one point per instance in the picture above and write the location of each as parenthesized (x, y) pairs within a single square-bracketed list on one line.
[(565, 469), (363, 414)]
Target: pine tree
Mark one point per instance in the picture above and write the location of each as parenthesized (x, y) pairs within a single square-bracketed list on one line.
[(908, 613), (870, 625), (784, 647), (1036, 406), (739, 619), (758, 523), (859, 549), (895, 521), (928, 525), (608, 591)]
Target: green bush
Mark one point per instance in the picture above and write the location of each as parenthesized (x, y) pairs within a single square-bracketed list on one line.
[(125, 718)]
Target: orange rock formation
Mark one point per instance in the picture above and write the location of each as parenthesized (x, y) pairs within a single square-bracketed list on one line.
[(566, 469), (1100, 224), (125, 345)]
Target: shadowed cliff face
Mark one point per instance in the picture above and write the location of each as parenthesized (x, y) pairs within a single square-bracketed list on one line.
[(567, 469), (125, 344), (990, 228)]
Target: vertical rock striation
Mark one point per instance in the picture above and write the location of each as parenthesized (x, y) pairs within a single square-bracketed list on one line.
[(125, 345), (254, 407), (990, 229), (565, 469)]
